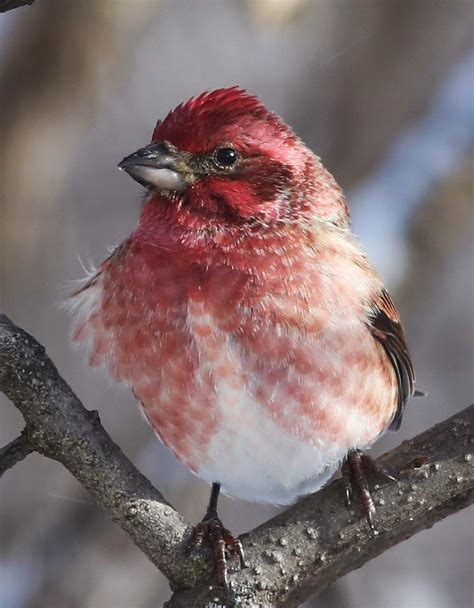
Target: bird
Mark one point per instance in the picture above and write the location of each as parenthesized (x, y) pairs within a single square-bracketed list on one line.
[(258, 340)]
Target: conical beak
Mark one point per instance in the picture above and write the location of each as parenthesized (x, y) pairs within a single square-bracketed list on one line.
[(155, 167)]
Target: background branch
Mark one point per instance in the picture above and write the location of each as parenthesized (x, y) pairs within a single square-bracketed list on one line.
[(8, 5), (292, 556)]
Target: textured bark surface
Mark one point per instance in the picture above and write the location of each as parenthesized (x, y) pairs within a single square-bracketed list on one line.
[(301, 551), (59, 427), (292, 556)]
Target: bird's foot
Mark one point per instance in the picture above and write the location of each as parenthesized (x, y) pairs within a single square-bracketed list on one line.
[(354, 474), (220, 541)]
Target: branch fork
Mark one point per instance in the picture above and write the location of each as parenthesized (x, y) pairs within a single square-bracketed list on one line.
[(291, 556)]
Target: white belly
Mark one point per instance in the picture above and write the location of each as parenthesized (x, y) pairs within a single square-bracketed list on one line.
[(251, 453), (262, 463)]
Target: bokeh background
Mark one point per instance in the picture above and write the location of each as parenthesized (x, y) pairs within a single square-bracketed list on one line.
[(383, 90)]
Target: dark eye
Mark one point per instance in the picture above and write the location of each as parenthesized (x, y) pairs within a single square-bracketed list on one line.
[(226, 157)]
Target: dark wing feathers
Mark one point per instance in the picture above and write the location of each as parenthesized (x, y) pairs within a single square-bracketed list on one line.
[(385, 325)]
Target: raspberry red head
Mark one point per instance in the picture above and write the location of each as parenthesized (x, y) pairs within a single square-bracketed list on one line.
[(225, 154), (215, 118)]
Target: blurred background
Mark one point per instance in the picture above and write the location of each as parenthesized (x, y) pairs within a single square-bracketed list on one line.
[(382, 90)]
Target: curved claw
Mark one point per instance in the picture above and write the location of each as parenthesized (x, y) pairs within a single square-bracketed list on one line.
[(354, 474), (370, 464), (219, 539)]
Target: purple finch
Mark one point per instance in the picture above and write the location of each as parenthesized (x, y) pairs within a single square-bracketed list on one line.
[(258, 340)]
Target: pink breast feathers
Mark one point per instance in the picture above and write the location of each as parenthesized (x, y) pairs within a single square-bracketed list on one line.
[(222, 366)]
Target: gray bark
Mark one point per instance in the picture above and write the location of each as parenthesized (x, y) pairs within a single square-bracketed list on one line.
[(292, 556)]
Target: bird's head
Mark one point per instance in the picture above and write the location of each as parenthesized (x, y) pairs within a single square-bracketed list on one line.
[(223, 158)]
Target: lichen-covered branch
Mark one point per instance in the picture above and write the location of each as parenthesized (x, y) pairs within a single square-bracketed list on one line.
[(292, 556)]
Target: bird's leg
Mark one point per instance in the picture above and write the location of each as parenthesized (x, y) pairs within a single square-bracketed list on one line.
[(219, 538), (354, 474)]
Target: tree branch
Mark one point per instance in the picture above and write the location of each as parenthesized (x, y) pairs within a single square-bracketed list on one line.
[(14, 452), (59, 427), (292, 556), (9, 5), (312, 544)]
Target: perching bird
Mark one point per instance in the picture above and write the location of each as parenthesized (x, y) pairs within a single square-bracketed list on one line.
[(258, 340)]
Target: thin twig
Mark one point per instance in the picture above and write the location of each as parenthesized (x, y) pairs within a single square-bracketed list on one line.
[(9, 5), (14, 452)]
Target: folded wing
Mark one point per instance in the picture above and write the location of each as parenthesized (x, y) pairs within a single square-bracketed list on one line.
[(385, 326)]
